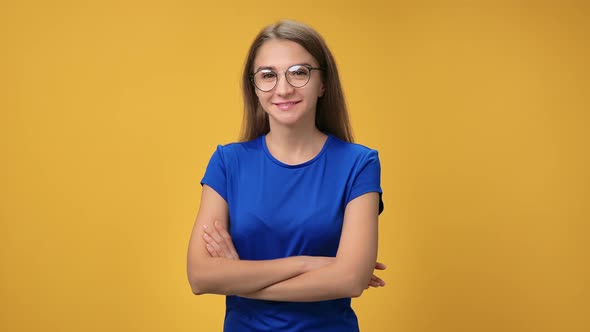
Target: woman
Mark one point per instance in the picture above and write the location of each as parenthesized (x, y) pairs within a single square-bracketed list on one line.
[(300, 200)]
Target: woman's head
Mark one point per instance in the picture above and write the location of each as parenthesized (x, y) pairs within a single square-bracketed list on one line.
[(331, 115)]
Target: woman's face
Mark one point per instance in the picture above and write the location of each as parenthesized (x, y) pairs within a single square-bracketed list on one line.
[(285, 104)]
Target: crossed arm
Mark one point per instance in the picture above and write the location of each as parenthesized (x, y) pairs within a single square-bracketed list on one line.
[(213, 266)]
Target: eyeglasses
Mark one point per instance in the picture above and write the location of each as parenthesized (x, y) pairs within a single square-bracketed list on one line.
[(297, 75)]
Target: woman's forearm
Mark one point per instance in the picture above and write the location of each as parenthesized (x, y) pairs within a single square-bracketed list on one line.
[(333, 281), (230, 277)]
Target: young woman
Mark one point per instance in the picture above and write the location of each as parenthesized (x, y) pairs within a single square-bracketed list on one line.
[(287, 225)]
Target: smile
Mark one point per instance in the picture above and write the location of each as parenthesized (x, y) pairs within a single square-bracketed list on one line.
[(286, 105)]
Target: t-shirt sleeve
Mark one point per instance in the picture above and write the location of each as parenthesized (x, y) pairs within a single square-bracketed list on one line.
[(215, 174), (367, 178)]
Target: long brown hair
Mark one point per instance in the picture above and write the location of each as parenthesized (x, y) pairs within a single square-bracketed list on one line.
[(331, 113)]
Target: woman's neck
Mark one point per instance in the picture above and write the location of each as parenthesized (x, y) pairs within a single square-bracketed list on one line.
[(295, 146)]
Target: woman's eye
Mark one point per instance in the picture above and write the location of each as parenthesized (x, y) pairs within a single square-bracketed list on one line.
[(268, 75), (298, 73)]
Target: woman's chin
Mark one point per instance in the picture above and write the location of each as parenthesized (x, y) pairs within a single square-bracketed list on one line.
[(285, 119)]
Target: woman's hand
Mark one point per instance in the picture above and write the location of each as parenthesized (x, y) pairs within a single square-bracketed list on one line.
[(219, 242), (376, 281)]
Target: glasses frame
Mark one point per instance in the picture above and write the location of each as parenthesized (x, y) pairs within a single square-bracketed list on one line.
[(310, 68)]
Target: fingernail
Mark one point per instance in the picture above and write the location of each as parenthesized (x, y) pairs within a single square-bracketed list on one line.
[(204, 226), (216, 223)]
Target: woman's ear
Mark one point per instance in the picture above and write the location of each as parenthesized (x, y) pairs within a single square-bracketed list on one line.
[(322, 91)]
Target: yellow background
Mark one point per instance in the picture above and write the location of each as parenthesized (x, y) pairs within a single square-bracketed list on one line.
[(110, 110)]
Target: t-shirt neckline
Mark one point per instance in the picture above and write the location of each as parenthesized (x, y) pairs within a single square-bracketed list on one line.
[(282, 164)]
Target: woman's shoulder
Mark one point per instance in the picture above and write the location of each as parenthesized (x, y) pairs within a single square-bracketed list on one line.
[(237, 148), (352, 149)]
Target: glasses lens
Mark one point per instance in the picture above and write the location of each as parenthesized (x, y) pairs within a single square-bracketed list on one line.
[(298, 75), (265, 79)]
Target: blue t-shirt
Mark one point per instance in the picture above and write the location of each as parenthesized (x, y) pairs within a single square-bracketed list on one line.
[(278, 210)]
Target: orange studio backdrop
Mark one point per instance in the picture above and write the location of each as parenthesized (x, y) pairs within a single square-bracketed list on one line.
[(110, 110)]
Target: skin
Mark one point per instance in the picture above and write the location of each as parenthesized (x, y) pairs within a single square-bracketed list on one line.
[(280, 55), (219, 244), (214, 266), (293, 137)]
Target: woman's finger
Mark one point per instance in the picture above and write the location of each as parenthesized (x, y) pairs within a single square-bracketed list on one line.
[(376, 282), (209, 246), (217, 242), (214, 245), (211, 251), (208, 239), (380, 266), (229, 244), (375, 279), (212, 231)]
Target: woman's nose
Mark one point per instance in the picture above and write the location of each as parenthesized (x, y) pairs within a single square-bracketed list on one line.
[(283, 87)]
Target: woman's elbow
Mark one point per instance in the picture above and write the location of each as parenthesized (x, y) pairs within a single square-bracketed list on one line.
[(196, 288), (194, 284), (356, 290), (355, 285), (199, 286), (197, 291), (196, 281), (203, 280)]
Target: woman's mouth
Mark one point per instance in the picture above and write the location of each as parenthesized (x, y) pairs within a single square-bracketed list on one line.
[(287, 105)]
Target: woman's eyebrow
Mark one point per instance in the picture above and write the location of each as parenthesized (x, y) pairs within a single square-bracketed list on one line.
[(265, 67), (274, 68)]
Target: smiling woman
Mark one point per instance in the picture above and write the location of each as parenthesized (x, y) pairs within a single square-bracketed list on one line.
[(298, 95), (287, 225)]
